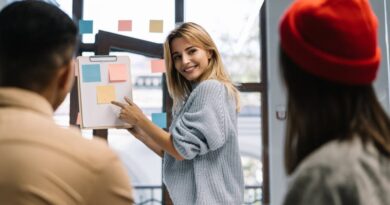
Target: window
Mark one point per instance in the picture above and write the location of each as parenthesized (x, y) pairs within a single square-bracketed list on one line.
[(105, 16), (235, 29)]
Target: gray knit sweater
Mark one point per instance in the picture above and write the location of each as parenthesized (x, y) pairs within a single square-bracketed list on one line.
[(204, 132)]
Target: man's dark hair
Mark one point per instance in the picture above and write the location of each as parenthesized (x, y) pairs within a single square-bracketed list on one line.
[(36, 38)]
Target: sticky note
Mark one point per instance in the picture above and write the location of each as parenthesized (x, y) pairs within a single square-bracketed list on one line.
[(125, 25), (117, 73), (105, 94), (160, 119), (78, 119), (85, 26), (158, 66), (91, 73), (156, 26)]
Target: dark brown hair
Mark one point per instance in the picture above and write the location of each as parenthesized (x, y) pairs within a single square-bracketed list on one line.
[(36, 38), (320, 111)]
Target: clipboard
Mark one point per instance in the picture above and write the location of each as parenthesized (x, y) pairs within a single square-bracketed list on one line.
[(102, 79)]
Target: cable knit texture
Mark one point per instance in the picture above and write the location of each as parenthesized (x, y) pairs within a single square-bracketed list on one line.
[(204, 132)]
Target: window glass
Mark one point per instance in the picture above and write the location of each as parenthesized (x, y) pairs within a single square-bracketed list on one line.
[(235, 29), (61, 115), (142, 164), (106, 14), (65, 5), (249, 138)]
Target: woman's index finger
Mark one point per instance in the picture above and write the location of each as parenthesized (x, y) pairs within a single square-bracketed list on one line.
[(119, 104)]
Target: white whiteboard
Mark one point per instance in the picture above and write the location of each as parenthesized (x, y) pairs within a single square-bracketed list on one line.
[(95, 115)]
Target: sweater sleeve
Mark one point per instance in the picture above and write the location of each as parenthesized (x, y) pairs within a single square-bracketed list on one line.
[(202, 127)]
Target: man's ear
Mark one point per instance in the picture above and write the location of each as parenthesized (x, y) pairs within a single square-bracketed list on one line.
[(66, 76)]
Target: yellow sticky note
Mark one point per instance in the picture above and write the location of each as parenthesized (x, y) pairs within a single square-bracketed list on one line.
[(105, 94), (158, 66), (117, 73), (156, 26)]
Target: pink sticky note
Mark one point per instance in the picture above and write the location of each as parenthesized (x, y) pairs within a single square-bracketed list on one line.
[(117, 73), (125, 25), (78, 120), (158, 66)]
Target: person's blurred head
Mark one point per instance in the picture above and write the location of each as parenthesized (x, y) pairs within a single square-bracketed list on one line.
[(191, 56), (330, 56), (37, 44)]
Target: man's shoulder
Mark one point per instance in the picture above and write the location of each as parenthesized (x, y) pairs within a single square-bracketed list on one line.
[(93, 152), (64, 144), (40, 132)]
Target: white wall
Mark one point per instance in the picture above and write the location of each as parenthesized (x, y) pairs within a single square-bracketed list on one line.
[(382, 10), (276, 96), (276, 92)]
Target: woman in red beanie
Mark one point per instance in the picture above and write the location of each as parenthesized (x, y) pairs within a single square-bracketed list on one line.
[(337, 148)]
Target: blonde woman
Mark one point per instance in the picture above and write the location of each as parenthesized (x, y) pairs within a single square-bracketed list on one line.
[(201, 160)]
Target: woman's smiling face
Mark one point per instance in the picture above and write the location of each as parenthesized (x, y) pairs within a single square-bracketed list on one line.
[(189, 60)]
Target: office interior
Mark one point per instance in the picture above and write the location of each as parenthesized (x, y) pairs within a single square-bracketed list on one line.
[(245, 32)]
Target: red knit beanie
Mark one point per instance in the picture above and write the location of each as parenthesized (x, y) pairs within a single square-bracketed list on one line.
[(332, 39)]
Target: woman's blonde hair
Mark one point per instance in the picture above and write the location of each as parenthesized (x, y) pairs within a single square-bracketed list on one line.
[(179, 88)]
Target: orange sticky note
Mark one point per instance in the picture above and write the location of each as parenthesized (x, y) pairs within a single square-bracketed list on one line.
[(78, 120), (158, 66), (105, 94), (156, 26), (125, 25), (117, 73)]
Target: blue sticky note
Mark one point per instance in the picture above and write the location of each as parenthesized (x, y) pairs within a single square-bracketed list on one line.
[(91, 73), (85, 26), (160, 119)]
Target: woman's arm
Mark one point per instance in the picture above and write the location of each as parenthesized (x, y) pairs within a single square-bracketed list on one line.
[(144, 138), (133, 115), (160, 137)]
